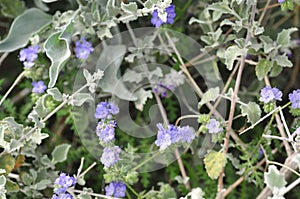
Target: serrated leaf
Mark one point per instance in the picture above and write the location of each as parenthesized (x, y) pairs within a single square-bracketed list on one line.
[(110, 63), (210, 95), (22, 28), (231, 54), (87, 75), (56, 94), (284, 37), (273, 178), (252, 111), (12, 8), (60, 152), (283, 60), (262, 68), (142, 97), (214, 163), (132, 76), (79, 98)]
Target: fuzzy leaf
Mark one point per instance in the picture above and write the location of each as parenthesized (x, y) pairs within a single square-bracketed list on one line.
[(130, 7), (210, 95), (23, 27), (12, 8), (7, 162), (142, 96), (274, 179), (56, 94), (110, 63), (132, 76), (231, 54), (283, 60), (262, 68), (80, 98), (220, 7), (284, 37), (60, 152), (214, 163), (252, 111)]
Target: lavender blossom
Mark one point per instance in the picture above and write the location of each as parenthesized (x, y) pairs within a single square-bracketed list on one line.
[(294, 97), (106, 131), (171, 14), (106, 110), (110, 156), (213, 126), (116, 189), (38, 87), (269, 94), (83, 48), (29, 55)]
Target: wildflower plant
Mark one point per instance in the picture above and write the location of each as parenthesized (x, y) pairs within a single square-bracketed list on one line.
[(149, 99)]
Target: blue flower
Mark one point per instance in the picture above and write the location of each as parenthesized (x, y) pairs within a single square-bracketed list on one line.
[(106, 131), (83, 48), (172, 135), (62, 196), (116, 189), (295, 99), (162, 89), (281, 1), (213, 126), (38, 87), (269, 94), (106, 110), (29, 55), (171, 14), (110, 156), (61, 184)]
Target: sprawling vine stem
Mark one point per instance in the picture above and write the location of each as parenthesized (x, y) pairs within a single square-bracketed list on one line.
[(233, 102)]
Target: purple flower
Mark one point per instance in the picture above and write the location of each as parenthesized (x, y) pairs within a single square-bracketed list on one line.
[(83, 48), (269, 94), (295, 98), (106, 110), (106, 131), (213, 126), (172, 135), (110, 156), (187, 134), (29, 55), (116, 189), (62, 196), (281, 1), (171, 14), (162, 89), (38, 87), (297, 131)]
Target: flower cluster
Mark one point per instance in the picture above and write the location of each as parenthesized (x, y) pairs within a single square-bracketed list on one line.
[(62, 183), (38, 87), (294, 97), (162, 89), (83, 48), (163, 16), (173, 134), (213, 126), (116, 189), (29, 55), (105, 110), (269, 94), (110, 156)]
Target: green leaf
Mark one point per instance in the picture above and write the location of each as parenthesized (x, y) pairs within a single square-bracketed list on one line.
[(58, 51), (2, 180), (284, 37), (41, 185), (11, 186), (7, 162), (221, 7), (79, 98), (283, 60), (132, 76), (276, 70), (130, 7), (49, 1), (150, 3), (210, 95), (274, 179), (262, 68), (110, 64), (56, 94), (60, 152), (23, 27), (12, 8), (214, 163), (231, 54), (252, 111)]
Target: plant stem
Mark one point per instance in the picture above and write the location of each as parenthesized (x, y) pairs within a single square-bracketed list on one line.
[(18, 79), (145, 161), (282, 165), (87, 170), (185, 117)]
